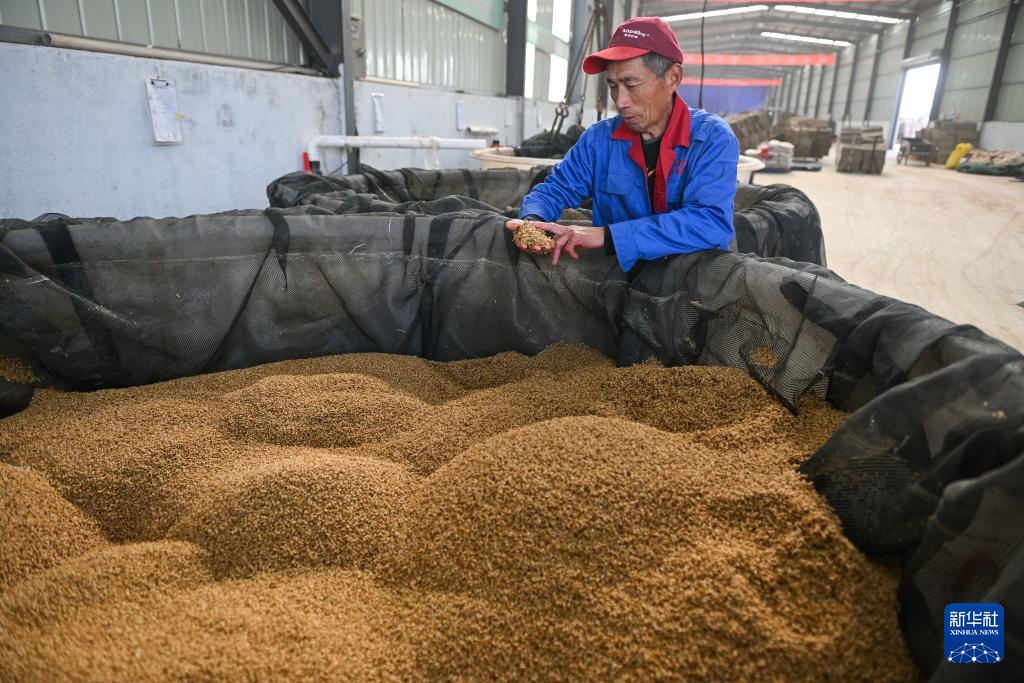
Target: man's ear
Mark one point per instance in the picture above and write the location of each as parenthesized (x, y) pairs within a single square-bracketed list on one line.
[(675, 75)]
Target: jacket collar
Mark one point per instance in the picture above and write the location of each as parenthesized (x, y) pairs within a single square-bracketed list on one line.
[(676, 133)]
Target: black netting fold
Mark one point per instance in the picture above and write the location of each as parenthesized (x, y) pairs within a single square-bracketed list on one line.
[(775, 220)]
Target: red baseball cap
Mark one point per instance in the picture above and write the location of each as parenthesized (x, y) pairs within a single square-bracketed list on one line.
[(633, 38)]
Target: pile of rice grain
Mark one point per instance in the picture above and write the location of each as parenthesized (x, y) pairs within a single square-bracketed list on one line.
[(377, 517)]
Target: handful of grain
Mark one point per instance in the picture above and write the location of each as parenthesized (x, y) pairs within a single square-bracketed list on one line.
[(529, 235)]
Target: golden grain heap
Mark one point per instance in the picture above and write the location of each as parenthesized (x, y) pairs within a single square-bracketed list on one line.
[(372, 517)]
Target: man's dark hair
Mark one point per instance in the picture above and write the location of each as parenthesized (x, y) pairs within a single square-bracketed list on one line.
[(657, 63)]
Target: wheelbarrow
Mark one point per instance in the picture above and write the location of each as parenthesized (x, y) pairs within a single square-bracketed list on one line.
[(916, 148)]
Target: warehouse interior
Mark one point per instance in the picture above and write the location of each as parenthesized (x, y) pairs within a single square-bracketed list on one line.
[(293, 384)]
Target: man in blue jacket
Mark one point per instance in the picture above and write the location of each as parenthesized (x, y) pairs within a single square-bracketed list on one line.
[(662, 175)]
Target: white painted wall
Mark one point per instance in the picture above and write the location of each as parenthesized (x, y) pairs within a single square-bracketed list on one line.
[(423, 111), (1001, 136), (75, 134)]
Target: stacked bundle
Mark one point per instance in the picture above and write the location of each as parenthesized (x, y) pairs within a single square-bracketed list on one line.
[(811, 138), (861, 136), (751, 128), (946, 135), (781, 127), (861, 150)]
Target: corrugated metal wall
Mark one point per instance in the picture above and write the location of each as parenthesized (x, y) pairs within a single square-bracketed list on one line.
[(826, 93), (973, 59), (931, 27), (815, 82), (253, 29), (973, 56), (862, 78), (801, 90), (845, 64), (890, 72), (423, 42), (1010, 106), (791, 88)]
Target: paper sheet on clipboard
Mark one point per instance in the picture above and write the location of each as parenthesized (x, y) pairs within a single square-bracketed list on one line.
[(163, 111)]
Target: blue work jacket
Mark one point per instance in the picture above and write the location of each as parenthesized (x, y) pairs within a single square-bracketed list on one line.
[(694, 188)]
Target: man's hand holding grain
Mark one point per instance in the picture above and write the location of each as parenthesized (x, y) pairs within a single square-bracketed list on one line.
[(533, 238)]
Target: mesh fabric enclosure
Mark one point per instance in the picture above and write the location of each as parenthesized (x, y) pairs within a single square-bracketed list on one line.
[(776, 220), (929, 466), (497, 189), (547, 144)]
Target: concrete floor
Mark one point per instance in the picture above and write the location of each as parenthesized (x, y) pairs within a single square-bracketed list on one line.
[(949, 242)]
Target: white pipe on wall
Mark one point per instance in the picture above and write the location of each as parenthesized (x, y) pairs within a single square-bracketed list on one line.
[(431, 144)]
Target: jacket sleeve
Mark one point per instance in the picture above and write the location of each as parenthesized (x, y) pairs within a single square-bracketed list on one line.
[(704, 222), (569, 183)]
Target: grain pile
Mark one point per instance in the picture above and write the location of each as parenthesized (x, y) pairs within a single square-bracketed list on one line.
[(378, 517)]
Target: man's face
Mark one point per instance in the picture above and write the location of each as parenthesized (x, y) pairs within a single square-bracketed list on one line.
[(643, 99)]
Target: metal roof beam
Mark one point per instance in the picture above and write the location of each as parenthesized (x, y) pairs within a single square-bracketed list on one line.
[(304, 27), (805, 23)]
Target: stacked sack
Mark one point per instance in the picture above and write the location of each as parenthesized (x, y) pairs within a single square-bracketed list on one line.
[(776, 155)]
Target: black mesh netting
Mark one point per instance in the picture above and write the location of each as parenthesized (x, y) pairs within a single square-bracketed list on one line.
[(412, 189), (776, 220), (929, 466), (550, 145)]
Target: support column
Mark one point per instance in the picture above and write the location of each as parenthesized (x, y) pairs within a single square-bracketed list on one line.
[(853, 76), (908, 47), (580, 18), (947, 49), (515, 58), (874, 76), (835, 84), (807, 100), (799, 87), (821, 86), (333, 22)]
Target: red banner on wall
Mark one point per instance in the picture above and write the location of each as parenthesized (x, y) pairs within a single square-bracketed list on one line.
[(824, 59), (737, 82)]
